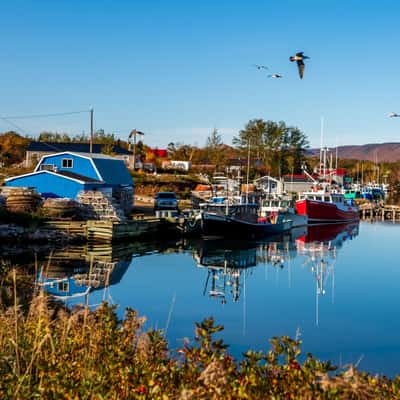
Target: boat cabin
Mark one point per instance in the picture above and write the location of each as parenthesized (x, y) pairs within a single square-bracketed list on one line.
[(323, 196), (245, 212)]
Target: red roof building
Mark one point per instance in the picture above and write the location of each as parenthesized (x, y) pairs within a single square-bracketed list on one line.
[(161, 153)]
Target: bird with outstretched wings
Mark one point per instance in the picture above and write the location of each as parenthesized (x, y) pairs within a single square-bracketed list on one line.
[(299, 58)]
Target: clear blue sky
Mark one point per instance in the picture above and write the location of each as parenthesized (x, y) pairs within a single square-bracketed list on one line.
[(177, 69)]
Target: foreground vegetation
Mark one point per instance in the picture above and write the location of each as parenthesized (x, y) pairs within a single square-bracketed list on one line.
[(49, 352)]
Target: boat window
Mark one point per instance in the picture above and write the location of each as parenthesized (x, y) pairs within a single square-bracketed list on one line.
[(327, 198), (318, 198)]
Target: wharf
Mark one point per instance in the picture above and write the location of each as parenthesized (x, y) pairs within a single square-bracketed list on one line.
[(385, 212), (94, 231)]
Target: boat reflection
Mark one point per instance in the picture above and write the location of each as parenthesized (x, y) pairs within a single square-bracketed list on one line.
[(75, 272), (319, 250), (228, 263)]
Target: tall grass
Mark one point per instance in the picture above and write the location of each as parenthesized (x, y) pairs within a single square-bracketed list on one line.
[(49, 352)]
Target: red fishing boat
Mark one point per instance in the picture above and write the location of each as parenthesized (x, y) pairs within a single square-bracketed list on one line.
[(324, 206)]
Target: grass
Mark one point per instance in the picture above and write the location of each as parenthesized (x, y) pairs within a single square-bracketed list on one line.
[(49, 352)]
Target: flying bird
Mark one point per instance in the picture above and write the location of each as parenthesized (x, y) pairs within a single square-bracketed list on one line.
[(299, 58), (394, 115), (260, 67), (275, 76)]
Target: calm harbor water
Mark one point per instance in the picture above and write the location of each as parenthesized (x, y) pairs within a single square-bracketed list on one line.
[(337, 286)]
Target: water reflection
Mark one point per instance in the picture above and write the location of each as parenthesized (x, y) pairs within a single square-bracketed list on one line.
[(225, 262), (74, 273), (319, 250), (229, 263)]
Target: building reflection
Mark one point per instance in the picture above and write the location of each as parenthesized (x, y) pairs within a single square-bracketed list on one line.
[(75, 272)]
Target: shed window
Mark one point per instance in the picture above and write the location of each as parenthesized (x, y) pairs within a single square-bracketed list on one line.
[(63, 286), (47, 167), (67, 162)]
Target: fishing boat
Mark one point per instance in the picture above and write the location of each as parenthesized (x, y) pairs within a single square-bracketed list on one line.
[(279, 206), (323, 205), (240, 220)]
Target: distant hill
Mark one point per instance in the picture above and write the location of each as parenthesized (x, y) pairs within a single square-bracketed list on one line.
[(383, 152)]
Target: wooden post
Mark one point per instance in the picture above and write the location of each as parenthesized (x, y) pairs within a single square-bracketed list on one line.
[(91, 131)]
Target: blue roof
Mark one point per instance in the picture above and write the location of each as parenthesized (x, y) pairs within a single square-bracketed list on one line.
[(113, 171), (55, 147)]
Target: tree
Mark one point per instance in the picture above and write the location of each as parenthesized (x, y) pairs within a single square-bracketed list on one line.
[(279, 148), (54, 137), (213, 150), (297, 145), (12, 147)]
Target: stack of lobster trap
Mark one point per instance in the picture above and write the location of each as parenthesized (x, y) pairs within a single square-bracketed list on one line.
[(60, 208), (21, 199), (99, 205)]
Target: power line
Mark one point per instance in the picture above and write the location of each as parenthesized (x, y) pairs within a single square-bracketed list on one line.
[(14, 125), (45, 115)]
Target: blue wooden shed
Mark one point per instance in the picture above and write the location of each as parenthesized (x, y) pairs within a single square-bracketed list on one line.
[(66, 174)]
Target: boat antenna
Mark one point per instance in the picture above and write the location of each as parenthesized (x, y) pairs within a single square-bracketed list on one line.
[(320, 149), (248, 170), (336, 161)]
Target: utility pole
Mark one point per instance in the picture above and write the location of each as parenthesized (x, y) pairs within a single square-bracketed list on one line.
[(133, 133), (91, 131)]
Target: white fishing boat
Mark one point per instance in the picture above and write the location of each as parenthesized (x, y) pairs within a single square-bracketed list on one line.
[(283, 207)]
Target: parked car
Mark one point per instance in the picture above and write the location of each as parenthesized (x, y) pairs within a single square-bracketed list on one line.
[(165, 201)]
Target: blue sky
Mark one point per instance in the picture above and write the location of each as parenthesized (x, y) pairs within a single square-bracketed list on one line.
[(178, 69)]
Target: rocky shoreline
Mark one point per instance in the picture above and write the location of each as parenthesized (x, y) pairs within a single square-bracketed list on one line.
[(11, 233)]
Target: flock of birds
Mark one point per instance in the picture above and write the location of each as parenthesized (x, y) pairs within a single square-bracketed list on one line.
[(298, 57)]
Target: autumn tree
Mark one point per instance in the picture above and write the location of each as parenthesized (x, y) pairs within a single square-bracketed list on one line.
[(12, 148), (54, 137), (280, 148), (214, 149)]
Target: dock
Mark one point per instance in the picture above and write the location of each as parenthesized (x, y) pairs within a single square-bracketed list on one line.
[(384, 212), (95, 231)]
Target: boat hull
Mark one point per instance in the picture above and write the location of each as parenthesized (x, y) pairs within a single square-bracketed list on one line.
[(214, 225), (323, 212)]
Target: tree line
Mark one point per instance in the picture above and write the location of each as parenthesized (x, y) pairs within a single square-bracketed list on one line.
[(272, 148)]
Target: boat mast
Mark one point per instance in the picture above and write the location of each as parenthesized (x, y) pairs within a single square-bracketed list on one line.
[(336, 161), (320, 148), (248, 170)]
